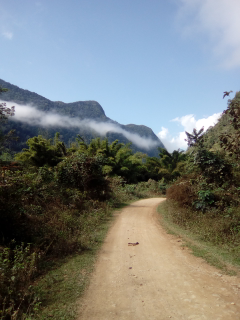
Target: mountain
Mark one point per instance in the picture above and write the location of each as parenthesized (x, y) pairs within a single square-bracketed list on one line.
[(82, 110)]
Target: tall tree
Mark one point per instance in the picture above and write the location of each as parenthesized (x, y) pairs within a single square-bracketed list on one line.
[(170, 163), (230, 142), (5, 113), (42, 152), (196, 137)]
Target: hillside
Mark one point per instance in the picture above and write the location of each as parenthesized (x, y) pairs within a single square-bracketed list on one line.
[(206, 196), (81, 109)]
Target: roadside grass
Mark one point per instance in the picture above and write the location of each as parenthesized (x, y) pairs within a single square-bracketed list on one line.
[(218, 256), (65, 280), (64, 283)]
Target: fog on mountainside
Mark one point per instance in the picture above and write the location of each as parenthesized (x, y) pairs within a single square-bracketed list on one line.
[(33, 116), (36, 115)]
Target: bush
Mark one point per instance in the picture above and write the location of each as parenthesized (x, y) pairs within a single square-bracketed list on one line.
[(84, 173), (218, 227), (183, 191), (17, 268), (205, 199), (58, 210), (162, 186), (213, 166)]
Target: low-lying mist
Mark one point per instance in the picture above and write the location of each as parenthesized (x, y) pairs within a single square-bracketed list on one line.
[(32, 116)]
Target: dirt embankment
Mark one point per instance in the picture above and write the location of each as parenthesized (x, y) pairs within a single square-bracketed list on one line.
[(155, 279)]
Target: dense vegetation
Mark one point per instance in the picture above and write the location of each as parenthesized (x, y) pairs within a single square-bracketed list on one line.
[(54, 210), (205, 199), (53, 197), (53, 200)]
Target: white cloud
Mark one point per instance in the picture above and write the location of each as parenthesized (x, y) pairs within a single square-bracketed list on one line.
[(219, 21), (33, 116), (163, 134), (7, 35), (188, 123), (170, 142)]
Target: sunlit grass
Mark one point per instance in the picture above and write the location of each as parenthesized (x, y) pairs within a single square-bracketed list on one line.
[(62, 287), (224, 257)]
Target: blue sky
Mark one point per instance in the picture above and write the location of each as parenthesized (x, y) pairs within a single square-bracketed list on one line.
[(145, 62)]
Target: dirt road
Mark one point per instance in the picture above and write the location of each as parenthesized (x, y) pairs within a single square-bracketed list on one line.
[(155, 279)]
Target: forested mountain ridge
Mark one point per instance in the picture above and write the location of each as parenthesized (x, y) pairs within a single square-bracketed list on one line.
[(80, 109)]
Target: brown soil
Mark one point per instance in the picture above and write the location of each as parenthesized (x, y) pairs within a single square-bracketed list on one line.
[(157, 278)]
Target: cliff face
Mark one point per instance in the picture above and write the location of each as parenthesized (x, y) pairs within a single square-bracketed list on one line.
[(80, 109)]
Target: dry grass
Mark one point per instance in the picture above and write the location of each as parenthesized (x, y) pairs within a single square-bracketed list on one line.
[(197, 237), (210, 227), (183, 192)]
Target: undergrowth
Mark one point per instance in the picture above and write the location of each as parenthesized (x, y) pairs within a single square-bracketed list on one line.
[(210, 210), (210, 227), (223, 257), (48, 214)]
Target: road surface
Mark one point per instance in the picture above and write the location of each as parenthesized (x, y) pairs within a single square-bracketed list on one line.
[(157, 278)]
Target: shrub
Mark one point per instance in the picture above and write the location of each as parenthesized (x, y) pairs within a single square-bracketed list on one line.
[(205, 199), (212, 165), (218, 227), (84, 173), (183, 192), (162, 186), (17, 268)]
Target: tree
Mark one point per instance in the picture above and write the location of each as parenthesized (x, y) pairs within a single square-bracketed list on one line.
[(5, 112), (170, 163), (119, 158), (42, 152), (153, 166), (230, 142), (83, 172), (212, 165), (196, 137)]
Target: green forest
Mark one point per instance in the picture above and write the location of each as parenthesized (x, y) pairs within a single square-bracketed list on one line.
[(54, 197)]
